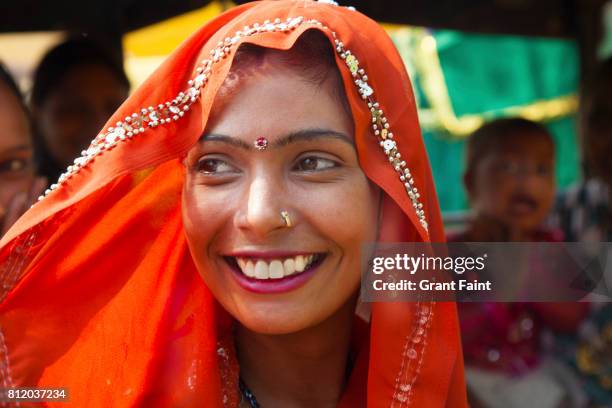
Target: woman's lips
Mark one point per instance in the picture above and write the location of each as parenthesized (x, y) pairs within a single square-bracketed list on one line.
[(273, 274)]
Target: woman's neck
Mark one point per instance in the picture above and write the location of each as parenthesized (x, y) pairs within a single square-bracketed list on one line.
[(304, 369)]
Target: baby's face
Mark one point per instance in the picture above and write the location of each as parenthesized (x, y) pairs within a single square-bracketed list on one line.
[(515, 184)]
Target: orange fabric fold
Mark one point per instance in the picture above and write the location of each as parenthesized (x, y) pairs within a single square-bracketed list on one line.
[(100, 294)]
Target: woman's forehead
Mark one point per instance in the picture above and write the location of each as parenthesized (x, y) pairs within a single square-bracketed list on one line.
[(277, 102)]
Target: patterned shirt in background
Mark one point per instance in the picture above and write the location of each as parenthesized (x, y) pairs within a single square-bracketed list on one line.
[(583, 213)]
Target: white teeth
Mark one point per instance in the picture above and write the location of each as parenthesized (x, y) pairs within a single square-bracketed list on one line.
[(299, 263), (261, 270), (289, 266), (276, 269), (249, 270)]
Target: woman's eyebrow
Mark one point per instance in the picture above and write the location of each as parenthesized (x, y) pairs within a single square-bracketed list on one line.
[(216, 137), (312, 134), (293, 137)]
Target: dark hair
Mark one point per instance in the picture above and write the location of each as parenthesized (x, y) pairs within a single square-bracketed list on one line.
[(72, 53), (596, 90), (602, 76), (7, 79), (312, 57), (489, 136)]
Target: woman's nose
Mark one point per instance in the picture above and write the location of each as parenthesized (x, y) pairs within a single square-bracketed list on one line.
[(263, 204)]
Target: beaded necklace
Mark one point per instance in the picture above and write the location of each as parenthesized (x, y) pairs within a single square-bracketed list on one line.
[(247, 394)]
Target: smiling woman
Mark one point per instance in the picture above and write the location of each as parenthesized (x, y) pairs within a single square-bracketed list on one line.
[(230, 197), (309, 164)]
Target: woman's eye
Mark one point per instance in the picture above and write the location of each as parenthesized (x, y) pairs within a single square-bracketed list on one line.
[(215, 166), (313, 163)]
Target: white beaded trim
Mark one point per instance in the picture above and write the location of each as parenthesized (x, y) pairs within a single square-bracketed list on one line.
[(173, 110), (412, 355), (382, 130)]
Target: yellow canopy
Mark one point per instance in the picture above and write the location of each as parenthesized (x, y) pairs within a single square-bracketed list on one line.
[(163, 37)]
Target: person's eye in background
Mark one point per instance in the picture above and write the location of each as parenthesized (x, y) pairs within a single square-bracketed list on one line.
[(74, 109), (507, 168), (14, 166), (543, 170)]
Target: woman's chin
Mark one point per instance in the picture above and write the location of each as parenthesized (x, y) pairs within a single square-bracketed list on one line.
[(272, 323)]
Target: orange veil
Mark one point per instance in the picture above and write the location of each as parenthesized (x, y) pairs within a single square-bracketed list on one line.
[(99, 293)]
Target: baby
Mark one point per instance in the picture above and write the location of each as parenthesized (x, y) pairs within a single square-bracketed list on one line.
[(510, 182)]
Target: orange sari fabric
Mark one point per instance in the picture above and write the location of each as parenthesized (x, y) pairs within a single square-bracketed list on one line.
[(100, 295)]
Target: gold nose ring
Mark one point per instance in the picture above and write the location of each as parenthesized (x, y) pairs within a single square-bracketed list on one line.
[(285, 216)]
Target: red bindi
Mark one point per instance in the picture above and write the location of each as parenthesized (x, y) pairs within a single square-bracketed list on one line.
[(261, 143)]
